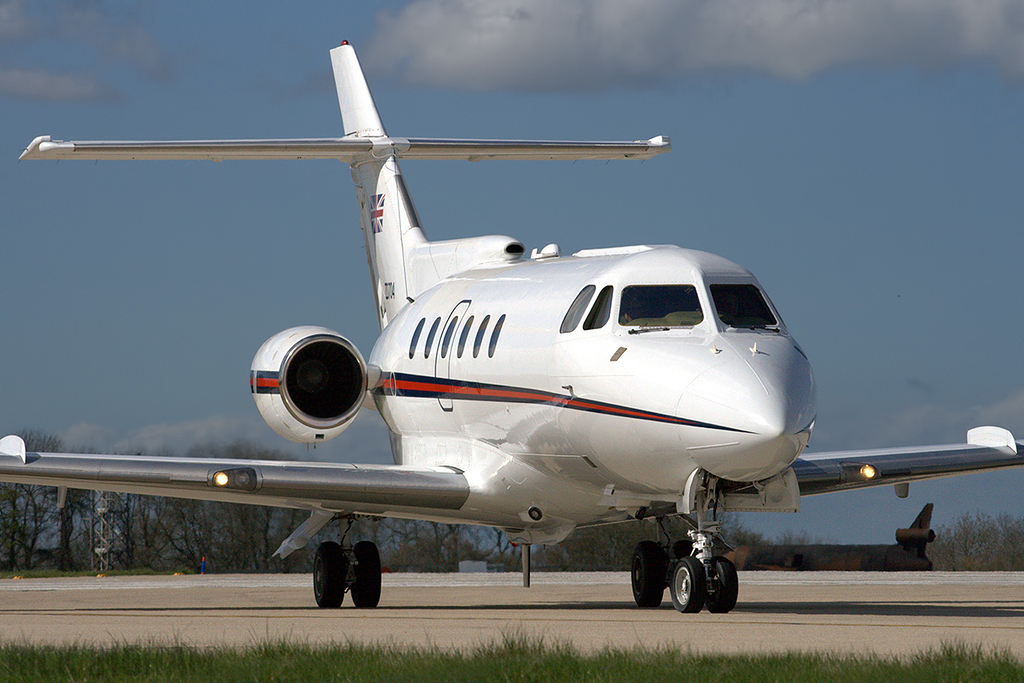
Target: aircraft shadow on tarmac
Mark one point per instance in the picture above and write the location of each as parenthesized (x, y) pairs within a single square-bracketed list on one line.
[(993, 610), (972, 609), (952, 609)]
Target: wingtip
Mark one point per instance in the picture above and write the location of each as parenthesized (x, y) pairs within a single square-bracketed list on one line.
[(993, 437), (33, 147), (13, 446), (662, 142)]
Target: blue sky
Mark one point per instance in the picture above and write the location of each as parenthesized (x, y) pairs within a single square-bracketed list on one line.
[(864, 160)]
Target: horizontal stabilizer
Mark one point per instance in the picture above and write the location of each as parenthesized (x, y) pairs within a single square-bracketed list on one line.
[(349, 149)]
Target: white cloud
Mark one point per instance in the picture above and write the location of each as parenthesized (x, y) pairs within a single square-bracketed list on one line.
[(87, 29), (925, 423), (37, 84), (366, 440), (14, 22), (165, 438), (115, 37), (594, 44)]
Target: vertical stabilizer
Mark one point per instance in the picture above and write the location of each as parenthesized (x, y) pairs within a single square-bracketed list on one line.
[(358, 112), (391, 228), (924, 518)]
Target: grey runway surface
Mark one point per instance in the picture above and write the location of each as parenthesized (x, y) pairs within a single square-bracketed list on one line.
[(846, 612)]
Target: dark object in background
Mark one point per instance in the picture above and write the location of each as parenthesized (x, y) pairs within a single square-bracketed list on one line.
[(907, 555)]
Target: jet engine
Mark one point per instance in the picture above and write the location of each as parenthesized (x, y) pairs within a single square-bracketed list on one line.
[(309, 383)]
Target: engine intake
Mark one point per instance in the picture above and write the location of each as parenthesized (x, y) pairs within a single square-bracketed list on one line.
[(308, 383)]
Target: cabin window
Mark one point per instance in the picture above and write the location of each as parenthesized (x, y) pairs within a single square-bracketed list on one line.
[(430, 338), (480, 335), (660, 306), (416, 337), (465, 335), (579, 306), (448, 332), (494, 337), (742, 306), (600, 312)]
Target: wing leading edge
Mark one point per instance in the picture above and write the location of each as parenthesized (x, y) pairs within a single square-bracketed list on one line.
[(987, 448), (368, 489)]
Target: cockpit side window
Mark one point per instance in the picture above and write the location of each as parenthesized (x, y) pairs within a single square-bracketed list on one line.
[(578, 308), (742, 306), (660, 306), (601, 311)]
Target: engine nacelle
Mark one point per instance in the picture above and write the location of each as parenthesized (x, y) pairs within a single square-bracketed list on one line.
[(309, 383)]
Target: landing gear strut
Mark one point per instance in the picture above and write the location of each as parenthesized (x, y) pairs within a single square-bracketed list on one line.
[(696, 577), (337, 569)]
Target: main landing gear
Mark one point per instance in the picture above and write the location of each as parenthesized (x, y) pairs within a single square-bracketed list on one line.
[(695, 577), (337, 569)]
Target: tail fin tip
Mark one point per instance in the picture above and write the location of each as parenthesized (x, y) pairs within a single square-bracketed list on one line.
[(358, 112)]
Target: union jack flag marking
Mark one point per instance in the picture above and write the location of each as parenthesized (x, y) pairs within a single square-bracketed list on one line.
[(377, 213)]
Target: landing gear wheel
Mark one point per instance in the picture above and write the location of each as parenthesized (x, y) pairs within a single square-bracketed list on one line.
[(330, 566), (648, 572), (689, 585), (366, 588), (723, 586)]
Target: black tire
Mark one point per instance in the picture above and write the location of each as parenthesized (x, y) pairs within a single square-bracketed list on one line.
[(648, 574), (681, 549), (366, 589), (330, 567), (723, 586), (688, 587)]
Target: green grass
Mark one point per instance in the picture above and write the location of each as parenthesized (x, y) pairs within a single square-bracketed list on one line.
[(514, 659), (57, 574)]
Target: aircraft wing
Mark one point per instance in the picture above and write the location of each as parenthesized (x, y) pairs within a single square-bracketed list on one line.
[(987, 448), (367, 489), (348, 149)]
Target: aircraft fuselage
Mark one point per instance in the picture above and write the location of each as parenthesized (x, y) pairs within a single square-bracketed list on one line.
[(480, 373)]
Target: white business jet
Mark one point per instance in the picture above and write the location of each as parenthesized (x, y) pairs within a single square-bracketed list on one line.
[(534, 394)]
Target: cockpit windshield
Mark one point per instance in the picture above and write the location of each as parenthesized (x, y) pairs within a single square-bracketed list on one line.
[(660, 306), (742, 306)]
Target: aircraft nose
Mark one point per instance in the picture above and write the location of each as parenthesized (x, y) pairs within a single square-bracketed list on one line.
[(787, 405), (764, 400)]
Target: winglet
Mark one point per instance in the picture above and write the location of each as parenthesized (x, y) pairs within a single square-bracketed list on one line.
[(660, 143), (33, 147), (43, 147), (358, 112), (13, 446), (993, 437)]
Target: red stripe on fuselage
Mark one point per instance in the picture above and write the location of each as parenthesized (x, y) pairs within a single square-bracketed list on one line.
[(462, 390)]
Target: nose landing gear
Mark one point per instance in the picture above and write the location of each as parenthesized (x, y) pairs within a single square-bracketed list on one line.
[(696, 578)]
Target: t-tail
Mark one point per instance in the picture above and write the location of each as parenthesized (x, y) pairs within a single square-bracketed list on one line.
[(387, 216), (402, 262)]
